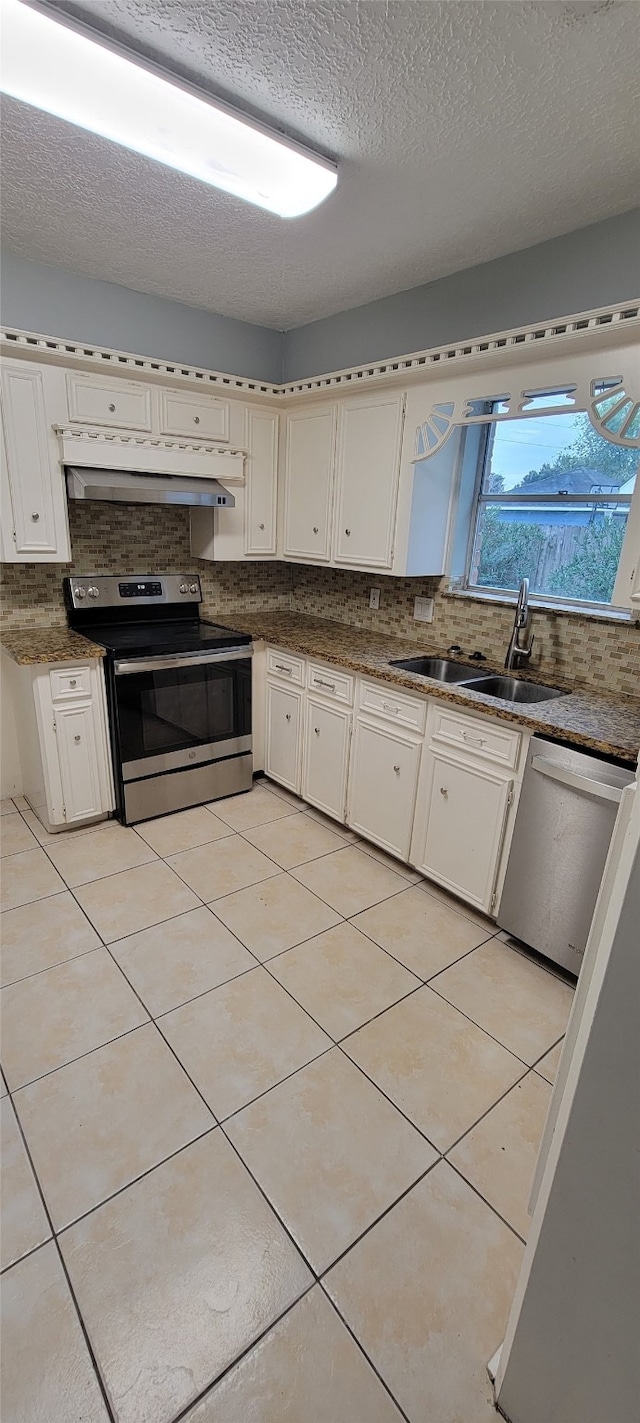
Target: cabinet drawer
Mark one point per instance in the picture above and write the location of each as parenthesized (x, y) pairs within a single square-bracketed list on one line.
[(392, 706), (122, 403), (330, 683), (202, 418), (282, 664), (71, 683), (491, 741)]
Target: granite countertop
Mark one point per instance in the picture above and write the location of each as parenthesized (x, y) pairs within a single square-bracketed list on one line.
[(601, 721), (30, 646)]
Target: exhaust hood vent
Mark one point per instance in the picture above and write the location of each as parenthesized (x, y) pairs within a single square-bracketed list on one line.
[(119, 486)]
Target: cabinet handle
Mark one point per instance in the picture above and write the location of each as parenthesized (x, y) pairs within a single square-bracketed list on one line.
[(387, 706), (315, 528), (288, 716), (475, 740), (280, 667), (444, 791), (348, 533), (397, 770), (77, 739), (35, 518), (73, 682), (196, 419), (260, 526), (317, 730), (112, 408), (321, 683)]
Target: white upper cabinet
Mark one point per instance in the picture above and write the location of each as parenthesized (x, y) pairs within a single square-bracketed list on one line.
[(123, 404), (626, 592), (200, 417), (261, 486), (367, 472), (34, 506), (308, 482)]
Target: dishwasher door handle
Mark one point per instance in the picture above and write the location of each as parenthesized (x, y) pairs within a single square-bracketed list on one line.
[(588, 784)]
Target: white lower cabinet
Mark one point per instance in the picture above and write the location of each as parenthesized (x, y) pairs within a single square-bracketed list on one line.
[(283, 735), (326, 757), (460, 825), (382, 786), (78, 757)]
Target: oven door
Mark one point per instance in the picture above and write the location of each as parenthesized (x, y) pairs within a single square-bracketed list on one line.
[(182, 710)]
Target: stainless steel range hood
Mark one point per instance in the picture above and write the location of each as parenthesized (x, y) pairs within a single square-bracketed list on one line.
[(119, 486)]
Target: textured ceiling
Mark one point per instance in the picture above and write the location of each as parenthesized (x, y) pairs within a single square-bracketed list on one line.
[(463, 131)]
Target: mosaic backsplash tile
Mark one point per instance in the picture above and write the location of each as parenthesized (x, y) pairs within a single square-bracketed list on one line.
[(111, 538)]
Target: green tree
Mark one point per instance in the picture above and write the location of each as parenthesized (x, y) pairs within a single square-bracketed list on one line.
[(591, 573), (508, 552)]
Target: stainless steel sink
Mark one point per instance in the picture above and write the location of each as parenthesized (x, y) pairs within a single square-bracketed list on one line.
[(513, 689), (440, 668)]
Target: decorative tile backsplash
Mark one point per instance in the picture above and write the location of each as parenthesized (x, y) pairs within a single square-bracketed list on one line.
[(112, 538)]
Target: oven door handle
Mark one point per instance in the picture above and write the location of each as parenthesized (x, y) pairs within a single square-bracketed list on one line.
[(180, 659)]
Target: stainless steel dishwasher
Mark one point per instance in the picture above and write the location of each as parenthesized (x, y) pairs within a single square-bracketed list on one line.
[(565, 820)]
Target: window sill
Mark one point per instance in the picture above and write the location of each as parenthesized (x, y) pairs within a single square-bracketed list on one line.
[(504, 600)]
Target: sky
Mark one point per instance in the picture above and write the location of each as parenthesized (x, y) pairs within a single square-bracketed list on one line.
[(521, 445)]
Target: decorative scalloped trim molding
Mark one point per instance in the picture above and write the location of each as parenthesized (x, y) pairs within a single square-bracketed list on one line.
[(148, 442), (84, 354)]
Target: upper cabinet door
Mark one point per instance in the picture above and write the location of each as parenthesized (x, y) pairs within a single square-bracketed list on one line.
[(190, 414), (124, 404), (261, 488), (309, 456), (35, 528), (367, 475)]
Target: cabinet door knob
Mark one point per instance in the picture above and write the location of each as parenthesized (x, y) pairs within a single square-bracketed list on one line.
[(348, 533), (77, 738), (288, 716), (397, 770), (72, 681), (260, 526), (444, 791), (315, 528), (196, 419), (317, 730), (35, 518), (112, 408)]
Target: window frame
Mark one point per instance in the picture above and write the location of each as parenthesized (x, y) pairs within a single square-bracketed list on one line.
[(479, 501)]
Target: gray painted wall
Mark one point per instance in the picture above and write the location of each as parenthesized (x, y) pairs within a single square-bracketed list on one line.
[(589, 268), (58, 302)]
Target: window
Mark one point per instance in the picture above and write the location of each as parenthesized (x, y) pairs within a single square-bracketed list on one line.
[(552, 504)]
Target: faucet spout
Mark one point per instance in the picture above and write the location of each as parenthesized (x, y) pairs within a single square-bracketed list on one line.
[(517, 653)]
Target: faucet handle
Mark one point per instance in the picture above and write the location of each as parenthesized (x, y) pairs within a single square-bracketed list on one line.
[(455, 647), (477, 657)]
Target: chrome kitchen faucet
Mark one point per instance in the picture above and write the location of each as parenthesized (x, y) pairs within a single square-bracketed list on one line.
[(516, 654)]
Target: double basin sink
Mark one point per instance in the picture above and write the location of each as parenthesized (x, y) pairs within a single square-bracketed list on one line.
[(492, 684)]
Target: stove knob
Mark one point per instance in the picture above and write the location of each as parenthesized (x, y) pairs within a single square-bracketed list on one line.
[(94, 592), (80, 592), (193, 587), (183, 588)]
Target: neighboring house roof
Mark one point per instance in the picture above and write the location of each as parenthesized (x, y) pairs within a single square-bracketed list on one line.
[(574, 481)]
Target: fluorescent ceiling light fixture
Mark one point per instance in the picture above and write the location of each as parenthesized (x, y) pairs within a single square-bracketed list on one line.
[(66, 73)]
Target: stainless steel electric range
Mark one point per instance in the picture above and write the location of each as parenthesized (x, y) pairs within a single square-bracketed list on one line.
[(178, 691)]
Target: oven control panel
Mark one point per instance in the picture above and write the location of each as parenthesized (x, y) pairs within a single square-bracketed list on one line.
[(96, 591)]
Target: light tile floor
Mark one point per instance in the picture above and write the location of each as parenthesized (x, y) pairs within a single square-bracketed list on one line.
[(274, 1105)]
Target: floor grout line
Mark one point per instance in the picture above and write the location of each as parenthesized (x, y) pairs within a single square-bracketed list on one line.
[(363, 1351)]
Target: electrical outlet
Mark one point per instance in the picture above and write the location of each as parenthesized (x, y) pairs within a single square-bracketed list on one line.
[(374, 598), (423, 610)]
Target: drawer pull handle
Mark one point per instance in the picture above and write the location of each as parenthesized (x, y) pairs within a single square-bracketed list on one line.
[(315, 528), (288, 716), (317, 730), (444, 791), (475, 740), (73, 682), (388, 706), (112, 408), (77, 739), (280, 667), (196, 419), (319, 681), (397, 770), (260, 526)]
